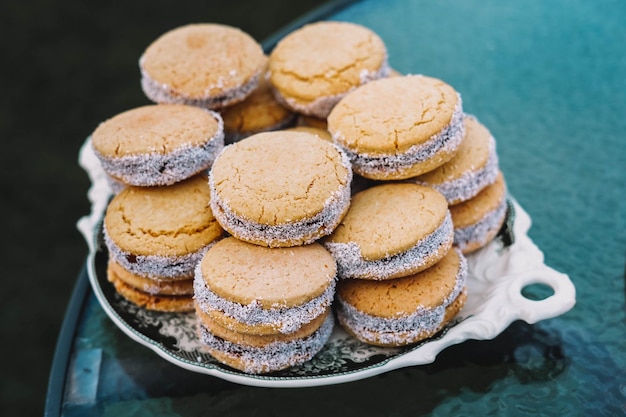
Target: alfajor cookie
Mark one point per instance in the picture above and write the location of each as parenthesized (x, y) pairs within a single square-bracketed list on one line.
[(206, 65), (478, 220), (472, 168), (256, 354), (152, 293), (391, 230), (259, 112), (158, 144), (280, 188), (313, 67), (398, 127), (263, 309), (406, 310), (161, 231)]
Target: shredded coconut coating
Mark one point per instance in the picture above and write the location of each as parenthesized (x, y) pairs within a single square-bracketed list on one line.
[(405, 329), (352, 264), (150, 266), (482, 231), (286, 319), (157, 169), (470, 183), (322, 106), (299, 232), (381, 166), (274, 356), (164, 93)]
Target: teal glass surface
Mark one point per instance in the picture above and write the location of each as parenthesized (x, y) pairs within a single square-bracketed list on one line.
[(548, 78)]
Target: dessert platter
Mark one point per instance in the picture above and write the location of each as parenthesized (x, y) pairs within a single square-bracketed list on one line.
[(497, 275), (222, 252)]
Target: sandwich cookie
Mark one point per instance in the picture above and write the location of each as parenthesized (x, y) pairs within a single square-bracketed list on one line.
[(154, 293), (159, 144), (313, 67), (161, 232), (280, 188), (263, 309), (205, 65), (474, 166), (390, 231), (406, 310), (262, 354), (259, 112), (477, 221), (398, 127)]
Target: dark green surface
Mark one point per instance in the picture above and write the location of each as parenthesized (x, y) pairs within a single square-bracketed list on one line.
[(546, 77)]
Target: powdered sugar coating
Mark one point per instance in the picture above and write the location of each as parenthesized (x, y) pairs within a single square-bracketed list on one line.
[(164, 93), (286, 234), (285, 319), (351, 264), (322, 106), (401, 330), (481, 231), (381, 165), (151, 266), (157, 169), (471, 182), (274, 356)]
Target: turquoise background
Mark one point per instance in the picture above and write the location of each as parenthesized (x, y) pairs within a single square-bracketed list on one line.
[(548, 78)]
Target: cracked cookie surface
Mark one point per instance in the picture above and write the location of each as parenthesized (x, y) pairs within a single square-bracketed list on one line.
[(158, 144), (324, 60), (163, 221), (280, 188), (210, 65), (398, 127)]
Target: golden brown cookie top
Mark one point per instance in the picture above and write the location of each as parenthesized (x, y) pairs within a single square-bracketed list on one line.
[(158, 128), (165, 221), (279, 177), (201, 60), (275, 277), (404, 296), (471, 211), (390, 115), (388, 219), (325, 59), (471, 156)]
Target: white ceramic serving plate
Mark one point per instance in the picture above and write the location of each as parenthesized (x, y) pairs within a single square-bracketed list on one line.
[(497, 275)]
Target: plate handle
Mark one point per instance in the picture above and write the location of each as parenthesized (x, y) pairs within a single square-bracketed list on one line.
[(532, 311)]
